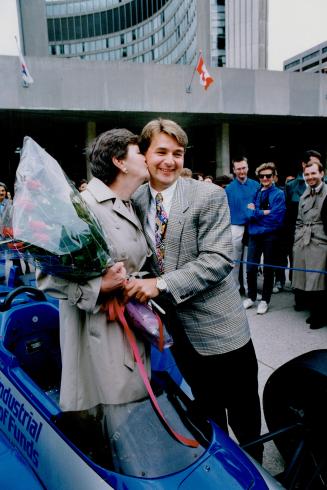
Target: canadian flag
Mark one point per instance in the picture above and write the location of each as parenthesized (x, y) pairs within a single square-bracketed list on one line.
[(205, 78)]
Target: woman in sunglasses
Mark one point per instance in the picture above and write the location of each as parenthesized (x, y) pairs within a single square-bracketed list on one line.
[(266, 215)]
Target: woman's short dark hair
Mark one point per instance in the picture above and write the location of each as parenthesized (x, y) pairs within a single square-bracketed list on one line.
[(112, 143)]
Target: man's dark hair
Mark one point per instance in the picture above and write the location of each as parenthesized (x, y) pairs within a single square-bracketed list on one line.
[(310, 153), (112, 143), (157, 126), (319, 165), (239, 158)]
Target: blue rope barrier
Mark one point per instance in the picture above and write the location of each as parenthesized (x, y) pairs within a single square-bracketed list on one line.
[(317, 271)]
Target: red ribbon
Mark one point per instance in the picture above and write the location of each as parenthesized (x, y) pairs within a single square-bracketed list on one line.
[(116, 312)]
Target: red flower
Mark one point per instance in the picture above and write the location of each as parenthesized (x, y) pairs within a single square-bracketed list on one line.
[(33, 185), (37, 225), (16, 245), (40, 237), (24, 204), (7, 232)]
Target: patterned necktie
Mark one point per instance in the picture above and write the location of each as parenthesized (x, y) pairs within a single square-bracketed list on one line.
[(160, 230)]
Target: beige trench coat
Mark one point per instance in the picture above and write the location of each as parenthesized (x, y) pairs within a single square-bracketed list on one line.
[(97, 361), (310, 243)]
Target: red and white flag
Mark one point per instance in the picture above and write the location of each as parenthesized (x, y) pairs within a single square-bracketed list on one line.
[(205, 78), (26, 76)]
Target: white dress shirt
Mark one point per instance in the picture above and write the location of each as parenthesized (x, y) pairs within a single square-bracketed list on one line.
[(167, 198)]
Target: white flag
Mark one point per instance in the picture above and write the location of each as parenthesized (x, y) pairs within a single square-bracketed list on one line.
[(26, 76)]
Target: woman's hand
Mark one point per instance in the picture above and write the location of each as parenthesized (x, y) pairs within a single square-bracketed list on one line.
[(251, 205), (141, 289), (114, 278)]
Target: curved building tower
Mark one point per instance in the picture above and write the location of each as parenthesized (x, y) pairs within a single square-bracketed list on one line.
[(142, 31)]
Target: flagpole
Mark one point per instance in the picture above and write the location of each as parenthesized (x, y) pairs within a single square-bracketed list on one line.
[(188, 88)]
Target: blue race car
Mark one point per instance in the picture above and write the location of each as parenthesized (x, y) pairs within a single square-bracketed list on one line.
[(56, 452)]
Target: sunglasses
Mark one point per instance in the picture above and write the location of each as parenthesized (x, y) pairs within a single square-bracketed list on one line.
[(265, 176)]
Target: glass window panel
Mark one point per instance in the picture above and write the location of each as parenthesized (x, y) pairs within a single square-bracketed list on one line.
[(78, 27), (57, 29), (97, 24), (104, 22), (64, 28), (90, 24), (85, 31), (71, 30), (51, 30)]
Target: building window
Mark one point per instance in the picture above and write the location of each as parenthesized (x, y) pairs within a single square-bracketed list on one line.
[(292, 64), (221, 42), (307, 67), (221, 60), (310, 56)]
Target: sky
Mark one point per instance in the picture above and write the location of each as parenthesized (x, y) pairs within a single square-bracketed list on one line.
[(293, 26)]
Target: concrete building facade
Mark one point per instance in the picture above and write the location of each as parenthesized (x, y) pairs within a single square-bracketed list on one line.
[(230, 33), (311, 60), (246, 34), (264, 115)]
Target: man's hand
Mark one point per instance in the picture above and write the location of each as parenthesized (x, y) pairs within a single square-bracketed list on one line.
[(141, 289), (251, 205), (114, 278)]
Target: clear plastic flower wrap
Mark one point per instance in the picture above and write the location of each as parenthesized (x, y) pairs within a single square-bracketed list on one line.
[(51, 225)]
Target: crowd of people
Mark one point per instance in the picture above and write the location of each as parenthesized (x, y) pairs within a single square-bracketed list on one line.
[(280, 229), (191, 236), (267, 221)]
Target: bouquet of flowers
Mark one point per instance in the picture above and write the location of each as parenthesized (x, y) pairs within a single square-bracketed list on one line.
[(49, 224)]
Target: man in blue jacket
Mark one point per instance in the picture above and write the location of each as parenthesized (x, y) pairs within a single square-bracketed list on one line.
[(240, 193), (266, 214)]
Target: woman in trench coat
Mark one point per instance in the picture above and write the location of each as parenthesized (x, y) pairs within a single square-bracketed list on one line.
[(98, 367)]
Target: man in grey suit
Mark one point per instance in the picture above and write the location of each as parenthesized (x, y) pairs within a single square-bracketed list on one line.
[(187, 225)]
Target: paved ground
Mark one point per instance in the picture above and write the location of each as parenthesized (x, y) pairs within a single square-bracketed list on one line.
[(278, 336)]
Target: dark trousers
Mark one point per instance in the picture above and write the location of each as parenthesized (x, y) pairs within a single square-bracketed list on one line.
[(224, 382), (316, 301), (266, 245)]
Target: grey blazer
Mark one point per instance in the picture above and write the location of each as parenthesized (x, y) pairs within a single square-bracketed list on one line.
[(198, 264)]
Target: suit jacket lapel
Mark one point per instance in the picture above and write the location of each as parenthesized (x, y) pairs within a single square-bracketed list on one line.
[(143, 203), (179, 206)]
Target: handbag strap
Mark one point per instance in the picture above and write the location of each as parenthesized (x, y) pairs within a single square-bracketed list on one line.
[(116, 312)]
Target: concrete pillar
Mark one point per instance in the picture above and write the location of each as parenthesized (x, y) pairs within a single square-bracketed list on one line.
[(203, 29), (222, 150), (90, 135), (33, 27)]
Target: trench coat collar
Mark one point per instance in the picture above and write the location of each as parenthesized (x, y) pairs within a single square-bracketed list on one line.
[(101, 193)]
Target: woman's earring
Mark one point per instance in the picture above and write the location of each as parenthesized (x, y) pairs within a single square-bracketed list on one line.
[(124, 169)]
